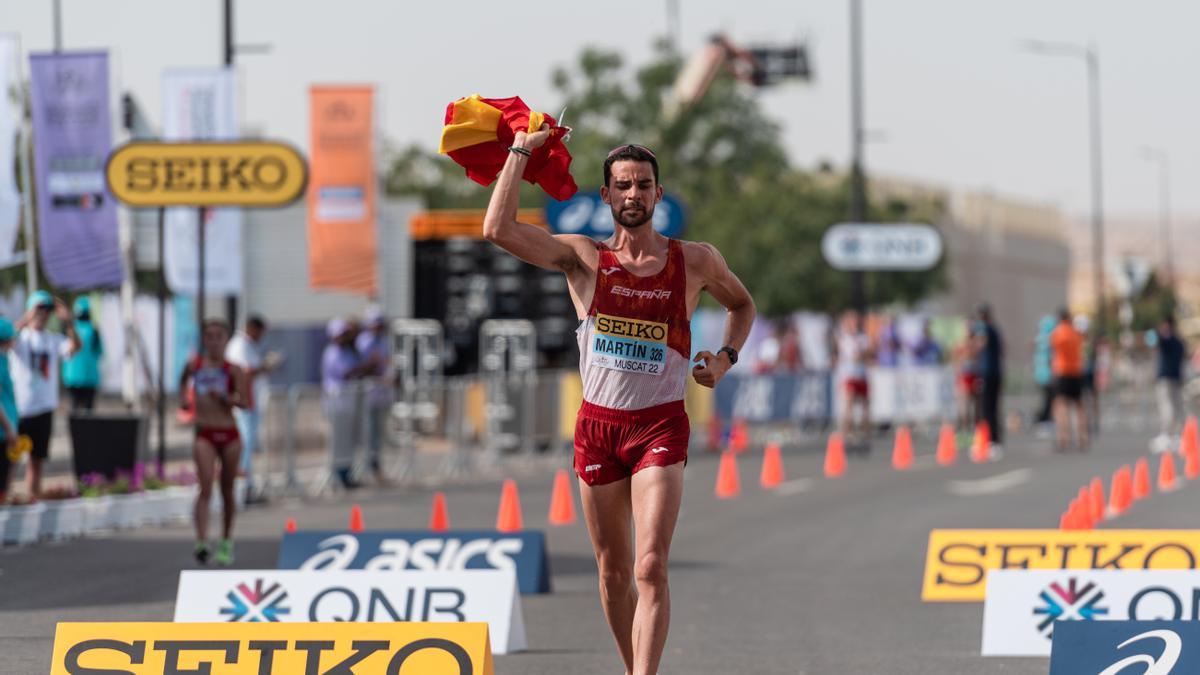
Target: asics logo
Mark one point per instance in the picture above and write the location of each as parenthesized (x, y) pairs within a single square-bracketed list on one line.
[(1172, 646), (609, 270), (658, 451)]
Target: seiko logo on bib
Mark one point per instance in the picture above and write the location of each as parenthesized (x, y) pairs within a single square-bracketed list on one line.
[(655, 294)]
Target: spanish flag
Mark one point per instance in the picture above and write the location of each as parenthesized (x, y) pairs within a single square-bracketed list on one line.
[(479, 131)]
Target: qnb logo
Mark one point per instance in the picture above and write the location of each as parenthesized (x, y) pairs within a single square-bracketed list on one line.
[(1069, 604), (1163, 665), (259, 604)]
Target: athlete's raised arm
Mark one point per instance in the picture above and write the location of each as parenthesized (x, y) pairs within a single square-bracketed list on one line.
[(534, 245), (724, 286)]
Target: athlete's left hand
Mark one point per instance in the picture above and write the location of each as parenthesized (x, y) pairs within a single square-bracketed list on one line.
[(712, 370)]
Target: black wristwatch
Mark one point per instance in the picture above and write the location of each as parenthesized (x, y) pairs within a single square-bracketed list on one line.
[(730, 352)]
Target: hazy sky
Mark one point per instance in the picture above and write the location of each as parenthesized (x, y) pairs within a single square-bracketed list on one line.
[(952, 97)]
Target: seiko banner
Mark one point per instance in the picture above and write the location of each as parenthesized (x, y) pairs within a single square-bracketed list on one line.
[(483, 596), (199, 105), (958, 561), (72, 134), (523, 551), (1024, 607), (1126, 648), (271, 648)]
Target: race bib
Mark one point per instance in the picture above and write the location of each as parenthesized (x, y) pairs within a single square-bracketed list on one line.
[(629, 345)]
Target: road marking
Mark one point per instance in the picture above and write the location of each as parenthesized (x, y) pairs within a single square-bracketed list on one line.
[(794, 487), (990, 485)]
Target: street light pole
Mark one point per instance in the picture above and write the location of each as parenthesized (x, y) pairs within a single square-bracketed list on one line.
[(1159, 157), (1090, 55), (858, 187)]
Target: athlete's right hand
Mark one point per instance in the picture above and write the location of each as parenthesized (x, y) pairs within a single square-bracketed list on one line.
[(532, 141)]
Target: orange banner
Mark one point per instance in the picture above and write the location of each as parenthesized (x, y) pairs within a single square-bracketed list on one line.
[(342, 253)]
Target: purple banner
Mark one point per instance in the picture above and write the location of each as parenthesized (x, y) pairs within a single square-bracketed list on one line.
[(72, 136)]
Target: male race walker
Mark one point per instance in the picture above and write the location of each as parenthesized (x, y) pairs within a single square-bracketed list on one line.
[(634, 295)]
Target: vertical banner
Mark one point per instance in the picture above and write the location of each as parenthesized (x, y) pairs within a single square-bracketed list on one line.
[(72, 135), (10, 200), (342, 251), (199, 105)]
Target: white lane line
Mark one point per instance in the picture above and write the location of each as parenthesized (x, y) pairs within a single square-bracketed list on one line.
[(990, 485), (795, 487)]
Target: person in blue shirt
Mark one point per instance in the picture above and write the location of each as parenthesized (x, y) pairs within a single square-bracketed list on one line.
[(81, 372), (989, 346), (1172, 356), (8, 407)]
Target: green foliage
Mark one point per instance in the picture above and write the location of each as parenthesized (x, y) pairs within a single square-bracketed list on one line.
[(723, 158)]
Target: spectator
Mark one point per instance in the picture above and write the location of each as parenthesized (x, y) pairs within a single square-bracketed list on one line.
[(1171, 356), (81, 372), (766, 357), (341, 366), (967, 382), (854, 352), (888, 348), (926, 351), (245, 351), (791, 356), (8, 408), (989, 346), (373, 349), (34, 361), (1042, 374), (1067, 364)]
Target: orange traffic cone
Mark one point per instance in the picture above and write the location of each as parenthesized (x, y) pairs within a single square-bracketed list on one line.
[(508, 519), (1189, 443), (1083, 509), (981, 450), (1121, 494), (728, 485), (290, 525), (1079, 515), (772, 467), (1141, 479), (947, 451), (1166, 473), (439, 519), (835, 456), (1096, 500), (1065, 522), (562, 505), (356, 518), (902, 453), (1191, 465), (739, 436)]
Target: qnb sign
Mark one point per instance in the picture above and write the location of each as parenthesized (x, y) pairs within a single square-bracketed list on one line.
[(882, 246), (245, 174)]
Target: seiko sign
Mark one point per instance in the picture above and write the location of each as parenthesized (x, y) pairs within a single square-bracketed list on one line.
[(524, 552), (242, 174), (882, 246)]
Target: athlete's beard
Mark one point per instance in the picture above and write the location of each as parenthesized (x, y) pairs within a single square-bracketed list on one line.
[(633, 218)]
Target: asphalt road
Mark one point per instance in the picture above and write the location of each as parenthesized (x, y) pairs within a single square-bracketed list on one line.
[(821, 576)]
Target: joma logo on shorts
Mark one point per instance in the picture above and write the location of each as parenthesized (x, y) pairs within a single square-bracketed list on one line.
[(631, 328)]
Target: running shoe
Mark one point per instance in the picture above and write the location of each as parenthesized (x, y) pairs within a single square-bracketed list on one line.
[(224, 556), (201, 552)]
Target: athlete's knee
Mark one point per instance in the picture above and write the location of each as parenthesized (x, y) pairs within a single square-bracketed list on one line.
[(650, 570), (615, 578)]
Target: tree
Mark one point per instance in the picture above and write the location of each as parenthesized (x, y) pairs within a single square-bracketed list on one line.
[(723, 158)]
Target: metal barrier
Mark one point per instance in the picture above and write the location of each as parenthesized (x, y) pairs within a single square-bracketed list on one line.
[(417, 361), (507, 361)]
